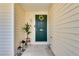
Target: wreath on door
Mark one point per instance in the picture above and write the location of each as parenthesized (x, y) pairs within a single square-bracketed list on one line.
[(41, 17)]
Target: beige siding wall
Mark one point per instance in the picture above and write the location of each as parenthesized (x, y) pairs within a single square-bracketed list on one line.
[(20, 17), (64, 29)]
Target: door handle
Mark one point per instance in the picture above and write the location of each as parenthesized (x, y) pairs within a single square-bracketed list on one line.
[(41, 30)]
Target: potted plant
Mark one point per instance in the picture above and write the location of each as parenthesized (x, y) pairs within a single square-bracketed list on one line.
[(26, 28)]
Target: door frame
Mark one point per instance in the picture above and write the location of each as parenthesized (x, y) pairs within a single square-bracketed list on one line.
[(45, 42)]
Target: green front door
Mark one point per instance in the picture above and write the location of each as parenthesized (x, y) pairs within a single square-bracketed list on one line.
[(41, 28)]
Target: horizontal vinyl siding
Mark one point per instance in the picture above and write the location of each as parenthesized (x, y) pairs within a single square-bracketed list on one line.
[(65, 29), (6, 29), (19, 24)]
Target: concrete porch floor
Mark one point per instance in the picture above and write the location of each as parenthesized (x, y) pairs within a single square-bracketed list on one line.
[(37, 50)]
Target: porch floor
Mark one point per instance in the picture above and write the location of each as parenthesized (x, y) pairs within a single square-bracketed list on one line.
[(37, 50)]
